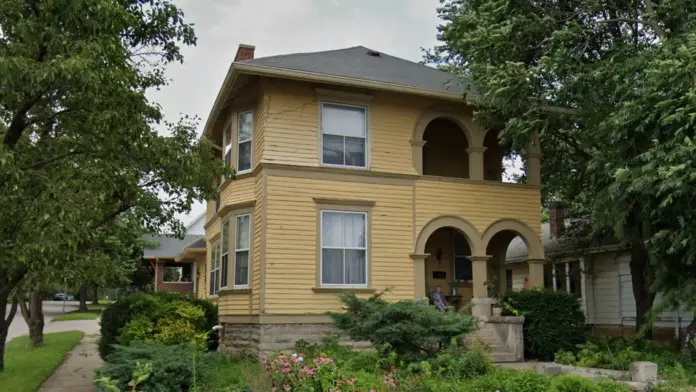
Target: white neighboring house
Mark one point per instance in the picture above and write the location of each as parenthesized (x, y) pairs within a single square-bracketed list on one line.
[(195, 227), (601, 278)]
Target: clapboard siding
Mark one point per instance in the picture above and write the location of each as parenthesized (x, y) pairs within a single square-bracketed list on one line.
[(257, 234), (292, 134), (481, 204), (291, 241)]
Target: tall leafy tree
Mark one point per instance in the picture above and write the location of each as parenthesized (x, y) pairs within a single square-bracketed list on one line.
[(78, 144), (609, 87)]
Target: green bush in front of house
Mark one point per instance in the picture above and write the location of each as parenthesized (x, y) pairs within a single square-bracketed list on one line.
[(167, 318), (554, 321), (411, 329)]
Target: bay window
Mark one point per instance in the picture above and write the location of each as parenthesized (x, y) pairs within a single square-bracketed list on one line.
[(241, 252), (245, 125)]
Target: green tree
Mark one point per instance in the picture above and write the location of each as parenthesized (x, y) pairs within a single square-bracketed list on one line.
[(78, 145), (609, 88)]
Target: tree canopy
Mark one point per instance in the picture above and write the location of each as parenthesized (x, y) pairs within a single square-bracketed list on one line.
[(609, 87), (79, 145)]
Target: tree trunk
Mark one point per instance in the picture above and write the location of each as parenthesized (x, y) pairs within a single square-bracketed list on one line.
[(641, 279), (95, 300), (688, 344), (5, 321), (83, 298), (33, 315)]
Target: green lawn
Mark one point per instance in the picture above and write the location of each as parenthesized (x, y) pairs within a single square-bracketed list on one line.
[(92, 314), (27, 368)]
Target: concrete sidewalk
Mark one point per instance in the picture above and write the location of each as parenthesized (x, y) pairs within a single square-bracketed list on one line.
[(77, 371)]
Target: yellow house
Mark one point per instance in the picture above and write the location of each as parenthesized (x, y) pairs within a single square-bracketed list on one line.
[(356, 171)]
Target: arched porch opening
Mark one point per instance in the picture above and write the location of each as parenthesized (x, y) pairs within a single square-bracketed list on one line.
[(445, 149), (516, 257), (448, 265), (493, 155)]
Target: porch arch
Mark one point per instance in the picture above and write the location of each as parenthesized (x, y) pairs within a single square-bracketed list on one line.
[(467, 229), (534, 248)]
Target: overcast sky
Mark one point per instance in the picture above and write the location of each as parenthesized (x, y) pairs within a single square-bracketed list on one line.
[(396, 27)]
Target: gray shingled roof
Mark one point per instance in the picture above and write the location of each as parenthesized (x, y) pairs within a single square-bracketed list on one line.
[(517, 250), (356, 63), (169, 247)]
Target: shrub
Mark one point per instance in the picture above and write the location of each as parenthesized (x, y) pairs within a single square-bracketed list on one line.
[(454, 362), (510, 381), (172, 367), (553, 321), (565, 358), (572, 384), (411, 329), (127, 319)]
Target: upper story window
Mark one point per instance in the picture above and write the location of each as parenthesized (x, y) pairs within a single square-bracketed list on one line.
[(245, 125), (343, 248), (228, 145), (344, 135)]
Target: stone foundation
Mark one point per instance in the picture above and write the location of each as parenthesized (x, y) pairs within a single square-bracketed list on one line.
[(261, 340)]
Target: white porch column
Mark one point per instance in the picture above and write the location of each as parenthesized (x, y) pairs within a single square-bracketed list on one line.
[(482, 304), (476, 162), (419, 276), (536, 273)]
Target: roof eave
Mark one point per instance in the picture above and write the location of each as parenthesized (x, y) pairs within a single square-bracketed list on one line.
[(238, 68)]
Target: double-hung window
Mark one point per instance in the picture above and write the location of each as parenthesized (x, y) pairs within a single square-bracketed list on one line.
[(225, 253), (344, 135), (228, 145), (241, 251), (245, 125), (215, 269), (343, 248)]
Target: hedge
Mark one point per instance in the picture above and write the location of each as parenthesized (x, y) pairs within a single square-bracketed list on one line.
[(554, 321), (142, 305)]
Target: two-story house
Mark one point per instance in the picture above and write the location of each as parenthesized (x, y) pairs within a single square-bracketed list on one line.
[(356, 171)]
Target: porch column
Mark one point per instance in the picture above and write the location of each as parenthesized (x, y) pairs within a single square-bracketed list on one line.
[(476, 162), (419, 275), (536, 273), (534, 168), (482, 304)]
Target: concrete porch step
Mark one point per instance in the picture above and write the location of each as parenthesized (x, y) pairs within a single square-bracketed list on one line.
[(502, 357)]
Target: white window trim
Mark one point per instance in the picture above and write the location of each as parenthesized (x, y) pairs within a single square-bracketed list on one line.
[(214, 267), (250, 141), (224, 145), (321, 255), (321, 135), (222, 254), (248, 250)]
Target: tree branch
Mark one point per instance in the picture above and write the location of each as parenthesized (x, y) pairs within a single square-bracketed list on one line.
[(18, 124), (13, 311), (22, 306), (649, 7), (52, 160)]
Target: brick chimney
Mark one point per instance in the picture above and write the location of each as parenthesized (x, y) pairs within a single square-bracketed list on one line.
[(556, 218), (244, 52)]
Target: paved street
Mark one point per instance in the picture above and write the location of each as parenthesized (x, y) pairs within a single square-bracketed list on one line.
[(51, 309)]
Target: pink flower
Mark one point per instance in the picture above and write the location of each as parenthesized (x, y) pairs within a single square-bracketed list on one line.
[(287, 387)]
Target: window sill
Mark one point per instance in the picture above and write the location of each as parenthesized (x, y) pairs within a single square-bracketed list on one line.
[(234, 291), (359, 290)]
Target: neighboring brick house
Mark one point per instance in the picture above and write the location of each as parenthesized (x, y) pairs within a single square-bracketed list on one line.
[(172, 260)]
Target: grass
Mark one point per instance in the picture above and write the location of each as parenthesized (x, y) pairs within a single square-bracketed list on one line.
[(27, 368), (93, 312)]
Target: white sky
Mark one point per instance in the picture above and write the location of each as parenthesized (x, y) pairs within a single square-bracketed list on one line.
[(396, 27)]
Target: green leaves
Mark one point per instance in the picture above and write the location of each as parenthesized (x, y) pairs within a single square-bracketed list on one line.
[(609, 87)]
